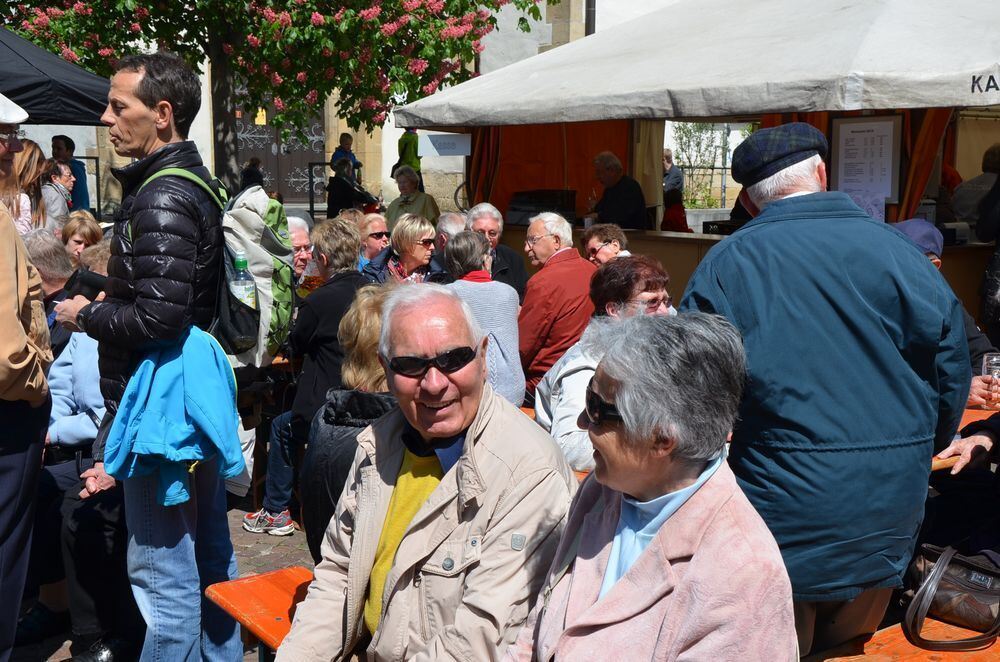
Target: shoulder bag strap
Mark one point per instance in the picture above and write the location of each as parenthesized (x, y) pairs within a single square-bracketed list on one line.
[(921, 604)]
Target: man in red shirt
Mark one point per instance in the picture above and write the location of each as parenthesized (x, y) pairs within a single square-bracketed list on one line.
[(557, 304)]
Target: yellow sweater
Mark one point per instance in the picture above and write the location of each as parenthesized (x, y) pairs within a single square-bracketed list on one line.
[(418, 477)]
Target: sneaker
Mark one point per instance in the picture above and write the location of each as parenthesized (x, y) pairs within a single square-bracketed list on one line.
[(264, 522)]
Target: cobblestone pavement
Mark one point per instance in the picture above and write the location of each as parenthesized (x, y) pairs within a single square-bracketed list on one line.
[(255, 553)]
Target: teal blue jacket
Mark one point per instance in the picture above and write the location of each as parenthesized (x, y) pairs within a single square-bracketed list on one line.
[(179, 408), (858, 368)]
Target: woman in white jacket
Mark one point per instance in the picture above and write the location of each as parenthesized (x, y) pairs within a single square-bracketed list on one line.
[(629, 285)]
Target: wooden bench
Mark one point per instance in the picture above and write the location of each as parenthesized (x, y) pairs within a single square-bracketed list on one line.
[(263, 604), (889, 645)]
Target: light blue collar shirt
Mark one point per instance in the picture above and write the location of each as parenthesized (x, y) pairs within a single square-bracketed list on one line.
[(640, 521)]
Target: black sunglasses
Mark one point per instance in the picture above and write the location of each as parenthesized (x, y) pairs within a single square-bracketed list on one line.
[(379, 235), (598, 411), (448, 362)]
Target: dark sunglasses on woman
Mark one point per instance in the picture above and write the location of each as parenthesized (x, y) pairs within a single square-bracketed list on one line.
[(379, 235), (598, 411), (447, 362)]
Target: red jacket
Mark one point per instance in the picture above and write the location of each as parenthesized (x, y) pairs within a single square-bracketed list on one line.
[(556, 310)]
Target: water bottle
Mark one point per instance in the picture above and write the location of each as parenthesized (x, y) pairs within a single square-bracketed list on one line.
[(242, 285)]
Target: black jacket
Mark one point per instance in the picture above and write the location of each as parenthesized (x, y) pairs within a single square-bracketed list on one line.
[(314, 337), (330, 453), (508, 267), (163, 275)]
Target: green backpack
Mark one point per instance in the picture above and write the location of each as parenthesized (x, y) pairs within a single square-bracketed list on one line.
[(256, 226)]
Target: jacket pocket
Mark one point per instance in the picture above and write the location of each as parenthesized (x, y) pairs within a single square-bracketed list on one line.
[(442, 581)]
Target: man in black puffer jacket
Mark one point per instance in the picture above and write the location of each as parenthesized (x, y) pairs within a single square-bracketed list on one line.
[(163, 277)]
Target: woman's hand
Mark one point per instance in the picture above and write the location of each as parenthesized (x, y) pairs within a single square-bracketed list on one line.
[(970, 450), (95, 480)]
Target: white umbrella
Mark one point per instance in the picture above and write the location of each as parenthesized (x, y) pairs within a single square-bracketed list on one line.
[(699, 59)]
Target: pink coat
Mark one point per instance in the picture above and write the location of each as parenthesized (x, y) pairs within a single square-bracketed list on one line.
[(710, 587)]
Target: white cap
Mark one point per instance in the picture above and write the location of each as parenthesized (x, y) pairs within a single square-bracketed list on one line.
[(10, 112)]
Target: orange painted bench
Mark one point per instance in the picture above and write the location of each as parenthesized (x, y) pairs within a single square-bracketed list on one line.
[(889, 645), (263, 604)]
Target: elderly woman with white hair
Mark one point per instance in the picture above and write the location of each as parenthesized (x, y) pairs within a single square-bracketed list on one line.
[(374, 238), (410, 200), (663, 557), (407, 259)]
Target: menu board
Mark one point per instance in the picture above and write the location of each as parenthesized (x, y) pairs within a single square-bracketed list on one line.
[(864, 161)]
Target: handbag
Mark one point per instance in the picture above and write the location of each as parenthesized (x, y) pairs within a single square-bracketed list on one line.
[(955, 589)]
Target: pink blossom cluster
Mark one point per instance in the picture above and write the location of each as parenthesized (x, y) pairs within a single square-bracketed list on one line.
[(411, 5), (327, 52), (54, 12), (366, 55), (105, 52), (371, 13), (339, 15), (329, 73), (417, 66), (269, 15), (68, 54), (312, 96), (434, 6), (379, 118), (279, 105), (369, 103), (135, 27), (141, 13), (301, 77), (285, 19), (276, 78), (227, 49), (392, 27), (253, 41), (317, 19)]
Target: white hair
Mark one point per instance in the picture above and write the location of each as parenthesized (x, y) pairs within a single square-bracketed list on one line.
[(450, 223), (557, 225), (297, 223), (418, 296), (798, 177), (480, 210)]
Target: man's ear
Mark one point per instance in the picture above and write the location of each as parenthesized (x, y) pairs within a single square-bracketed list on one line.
[(821, 174), (164, 115), (324, 261)]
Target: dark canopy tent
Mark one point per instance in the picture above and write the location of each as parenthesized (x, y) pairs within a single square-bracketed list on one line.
[(50, 89)]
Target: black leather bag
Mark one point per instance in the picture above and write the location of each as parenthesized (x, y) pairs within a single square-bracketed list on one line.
[(956, 589)]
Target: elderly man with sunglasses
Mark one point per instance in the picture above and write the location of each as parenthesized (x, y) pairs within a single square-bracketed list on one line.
[(452, 510)]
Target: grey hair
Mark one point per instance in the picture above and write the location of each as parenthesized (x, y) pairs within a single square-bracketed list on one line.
[(466, 252), (480, 210), (678, 377), (557, 225), (48, 254), (450, 224), (407, 172), (418, 295), (608, 161), (297, 223), (798, 177)]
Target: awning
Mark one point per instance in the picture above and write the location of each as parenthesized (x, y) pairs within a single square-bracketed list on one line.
[(50, 89), (713, 59)]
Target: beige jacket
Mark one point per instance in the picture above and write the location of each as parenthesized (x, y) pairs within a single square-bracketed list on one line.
[(24, 333), (471, 562)]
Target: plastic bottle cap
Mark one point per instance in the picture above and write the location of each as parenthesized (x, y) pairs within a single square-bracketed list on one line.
[(240, 262)]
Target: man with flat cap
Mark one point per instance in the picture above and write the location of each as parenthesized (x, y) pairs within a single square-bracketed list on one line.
[(858, 370), (24, 392)]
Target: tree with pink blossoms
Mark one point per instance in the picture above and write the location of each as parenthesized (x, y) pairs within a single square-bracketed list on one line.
[(289, 55)]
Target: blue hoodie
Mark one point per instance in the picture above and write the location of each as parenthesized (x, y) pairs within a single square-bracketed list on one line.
[(179, 408)]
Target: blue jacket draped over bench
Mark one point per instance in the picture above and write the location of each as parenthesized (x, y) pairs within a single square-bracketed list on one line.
[(179, 407), (858, 367)]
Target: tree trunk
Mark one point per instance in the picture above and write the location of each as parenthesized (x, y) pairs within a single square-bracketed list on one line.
[(224, 116)]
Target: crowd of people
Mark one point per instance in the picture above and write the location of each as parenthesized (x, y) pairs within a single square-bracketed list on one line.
[(740, 477)]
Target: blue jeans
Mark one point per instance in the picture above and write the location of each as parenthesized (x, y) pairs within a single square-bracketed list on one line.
[(174, 553), (280, 472)]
